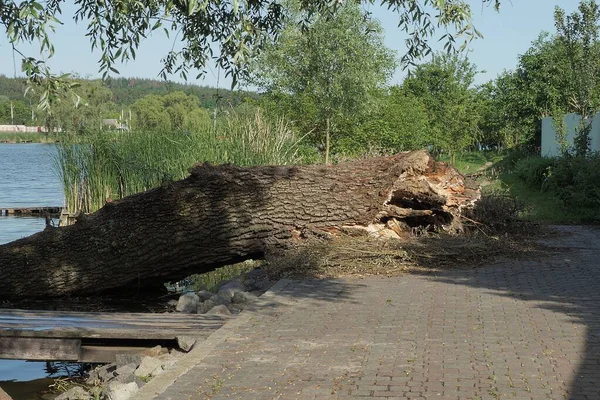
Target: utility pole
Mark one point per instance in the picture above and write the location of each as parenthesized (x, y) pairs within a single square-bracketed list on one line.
[(12, 114)]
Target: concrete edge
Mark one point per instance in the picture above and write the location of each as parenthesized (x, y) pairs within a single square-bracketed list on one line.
[(161, 383)]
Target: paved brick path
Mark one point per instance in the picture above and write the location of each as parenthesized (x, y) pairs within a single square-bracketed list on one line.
[(517, 330)]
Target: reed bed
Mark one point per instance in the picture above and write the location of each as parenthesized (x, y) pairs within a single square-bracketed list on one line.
[(103, 166)]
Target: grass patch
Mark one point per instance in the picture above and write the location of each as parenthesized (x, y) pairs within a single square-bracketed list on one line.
[(27, 137), (472, 162), (538, 206), (213, 280), (519, 175)]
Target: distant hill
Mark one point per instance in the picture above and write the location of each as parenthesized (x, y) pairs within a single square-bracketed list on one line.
[(127, 90)]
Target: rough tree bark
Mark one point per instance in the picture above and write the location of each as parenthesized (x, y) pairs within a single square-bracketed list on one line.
[(224, 214)]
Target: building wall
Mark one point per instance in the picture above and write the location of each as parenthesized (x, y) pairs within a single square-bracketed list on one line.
[(550, 145)]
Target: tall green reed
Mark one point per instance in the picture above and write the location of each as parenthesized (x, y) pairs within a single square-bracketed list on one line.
[(101, 166)]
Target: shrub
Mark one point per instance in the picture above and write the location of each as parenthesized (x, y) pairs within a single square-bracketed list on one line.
[(533, 170), (575, 181)]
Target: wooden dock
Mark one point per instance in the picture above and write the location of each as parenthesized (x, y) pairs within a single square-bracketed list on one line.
[(95, 337), (30, 211)]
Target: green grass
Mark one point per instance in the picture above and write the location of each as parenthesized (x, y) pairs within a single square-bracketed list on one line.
[(539, 206), (105, 165), (471, 162), (211, 281), (26, 137)]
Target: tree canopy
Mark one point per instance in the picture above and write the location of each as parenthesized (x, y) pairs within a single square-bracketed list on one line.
[(238, 28), (333, 70)]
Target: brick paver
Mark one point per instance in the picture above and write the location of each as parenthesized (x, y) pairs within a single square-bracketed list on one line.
[(514, 330)]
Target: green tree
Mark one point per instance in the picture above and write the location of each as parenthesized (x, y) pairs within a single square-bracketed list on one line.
[(445, 86), (93, 106), (21, 112), (399, 124), (329, 75), (238, 28), (577, 34)]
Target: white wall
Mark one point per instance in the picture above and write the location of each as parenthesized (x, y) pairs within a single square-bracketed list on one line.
[(550, 145)]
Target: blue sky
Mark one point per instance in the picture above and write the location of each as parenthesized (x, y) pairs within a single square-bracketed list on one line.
[(506, 35)]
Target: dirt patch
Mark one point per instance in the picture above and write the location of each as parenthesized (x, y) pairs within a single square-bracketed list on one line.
[(346, 255)]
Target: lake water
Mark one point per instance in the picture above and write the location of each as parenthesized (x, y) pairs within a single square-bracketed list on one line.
[(27, 178)]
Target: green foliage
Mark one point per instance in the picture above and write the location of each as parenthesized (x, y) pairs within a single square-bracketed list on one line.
[(238, 29), (327, 77), (445, 88), (400, 124), (533, 170), (574, 180), (20, 111), (111, 165), (578, 37)]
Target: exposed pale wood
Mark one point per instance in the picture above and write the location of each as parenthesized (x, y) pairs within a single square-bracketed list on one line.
[(4, 395), (17, 348)]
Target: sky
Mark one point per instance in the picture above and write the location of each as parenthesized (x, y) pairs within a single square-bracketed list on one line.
[(507, 34)]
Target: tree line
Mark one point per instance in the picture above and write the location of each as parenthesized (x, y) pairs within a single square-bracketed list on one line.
[(328, 75)]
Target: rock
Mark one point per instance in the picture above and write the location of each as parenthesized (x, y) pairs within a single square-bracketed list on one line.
[(121, 391), (236, 308), (149, 367), (222, 297), (219, 310), (205, 306), (75, 393), (101, 374), (125, 374), (188, 303), (231, 287), (243, 297), (262, 285), (154, 351), (128, 358), (204, 295), (169, 360), (186, 343), (172, 303), (256, 274)]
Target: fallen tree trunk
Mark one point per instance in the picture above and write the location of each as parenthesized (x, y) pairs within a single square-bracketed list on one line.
[(224, 214)]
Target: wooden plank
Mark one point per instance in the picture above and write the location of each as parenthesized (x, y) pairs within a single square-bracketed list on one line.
[(30, 210), (106, 354), (49, 324), (40, 349)]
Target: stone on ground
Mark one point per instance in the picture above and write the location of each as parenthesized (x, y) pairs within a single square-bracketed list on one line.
[(126, 373), (219, 310), (121, 391), (150, 366), (206, 306), (75, 393), (204, 295), (188, 303), (243, 297)]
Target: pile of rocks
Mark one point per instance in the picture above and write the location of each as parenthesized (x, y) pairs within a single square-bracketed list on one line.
[(231, 298), (123, 378)]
